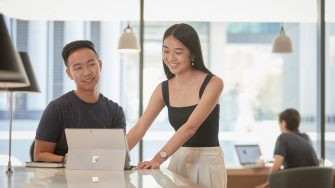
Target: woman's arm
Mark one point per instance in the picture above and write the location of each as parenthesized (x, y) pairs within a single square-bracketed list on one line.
[(155, 106), (205, 106)]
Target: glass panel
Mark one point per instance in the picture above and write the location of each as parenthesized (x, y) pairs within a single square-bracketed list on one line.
[(258, 83), (330, 92)]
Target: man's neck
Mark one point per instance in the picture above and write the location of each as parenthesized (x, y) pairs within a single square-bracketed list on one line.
[(87, 96)]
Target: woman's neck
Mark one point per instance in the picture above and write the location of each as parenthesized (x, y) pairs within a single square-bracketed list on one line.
[(186, 78)]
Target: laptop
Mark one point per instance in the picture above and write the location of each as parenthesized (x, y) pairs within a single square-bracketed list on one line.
[(248, 154), (97, 149)]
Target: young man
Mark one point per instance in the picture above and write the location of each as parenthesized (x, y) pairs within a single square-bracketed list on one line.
[(84, 107), (293, 148)]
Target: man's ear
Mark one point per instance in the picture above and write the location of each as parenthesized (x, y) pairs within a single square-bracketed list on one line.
[(69, 73), (100, 64), (284, 124)]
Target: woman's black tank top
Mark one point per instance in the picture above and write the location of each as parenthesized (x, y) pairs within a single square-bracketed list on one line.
[(207, 133)]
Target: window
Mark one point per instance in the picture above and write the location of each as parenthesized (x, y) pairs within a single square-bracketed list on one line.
[(258, 83)]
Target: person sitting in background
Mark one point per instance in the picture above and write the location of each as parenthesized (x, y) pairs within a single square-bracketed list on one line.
[(84, 107), (293, 148)]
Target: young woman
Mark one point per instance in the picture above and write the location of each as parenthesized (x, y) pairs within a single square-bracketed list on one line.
[(191, 94)]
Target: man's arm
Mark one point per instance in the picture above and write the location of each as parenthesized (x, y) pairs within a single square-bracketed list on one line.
[(44, 152), (277, 163), (47, 134)]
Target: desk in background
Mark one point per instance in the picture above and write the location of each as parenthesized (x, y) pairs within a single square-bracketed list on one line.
[(249, 177), (59, 177), (246, 177)]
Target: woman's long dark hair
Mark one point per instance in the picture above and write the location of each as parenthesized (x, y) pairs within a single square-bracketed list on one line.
[(187, 35)]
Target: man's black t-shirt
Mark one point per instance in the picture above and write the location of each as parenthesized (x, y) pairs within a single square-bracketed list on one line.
[(297, 150), (69, 111)]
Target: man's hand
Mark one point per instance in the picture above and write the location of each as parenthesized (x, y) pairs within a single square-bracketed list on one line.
[(64, 158)]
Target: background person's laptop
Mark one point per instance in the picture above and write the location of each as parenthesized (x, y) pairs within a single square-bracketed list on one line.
[(97, 149), (248, 154)]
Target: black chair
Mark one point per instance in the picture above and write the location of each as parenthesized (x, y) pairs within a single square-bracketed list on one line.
[(32, 148), (304, 177)]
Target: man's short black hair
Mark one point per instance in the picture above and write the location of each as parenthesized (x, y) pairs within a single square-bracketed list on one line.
[(291, 117), (74, 46)]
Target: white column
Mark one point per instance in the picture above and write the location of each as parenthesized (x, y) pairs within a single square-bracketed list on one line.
[(291, 70), (37, 51), (110, 81), (307, 68), (330, 71), (73, 30), (217, 43)]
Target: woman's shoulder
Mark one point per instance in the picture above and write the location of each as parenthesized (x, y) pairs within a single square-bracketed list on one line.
[(216, 82), (160, 86), (217, 79)]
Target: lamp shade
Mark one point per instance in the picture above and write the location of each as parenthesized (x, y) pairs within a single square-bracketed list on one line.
[(12, 73), (33, 87), (127, 41), (282, 43)]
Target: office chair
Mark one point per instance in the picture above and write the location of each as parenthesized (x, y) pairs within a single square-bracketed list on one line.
[(306, 177), (32, 147)]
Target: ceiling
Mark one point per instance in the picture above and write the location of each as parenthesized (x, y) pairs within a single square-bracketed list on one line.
[(168, 10)]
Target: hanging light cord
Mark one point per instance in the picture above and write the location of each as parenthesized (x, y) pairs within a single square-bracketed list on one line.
[(282, 30)]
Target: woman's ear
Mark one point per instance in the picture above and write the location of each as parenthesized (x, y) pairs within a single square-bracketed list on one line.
[(192, 58)]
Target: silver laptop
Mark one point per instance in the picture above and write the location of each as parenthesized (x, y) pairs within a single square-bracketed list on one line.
[(248, 154), (97, 149)]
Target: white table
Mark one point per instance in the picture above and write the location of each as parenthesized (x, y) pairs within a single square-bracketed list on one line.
[(60, 177)]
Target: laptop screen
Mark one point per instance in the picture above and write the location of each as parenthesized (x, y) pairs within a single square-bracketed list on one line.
[(99, 149), (248, 154)]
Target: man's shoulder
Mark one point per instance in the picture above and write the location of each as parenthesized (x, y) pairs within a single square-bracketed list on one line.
[(109, 102), (63, 99), (293, 136), (284, 136)]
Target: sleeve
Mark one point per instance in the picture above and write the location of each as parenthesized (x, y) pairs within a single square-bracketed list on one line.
[(280, 148), (119, 119), (50, 126)]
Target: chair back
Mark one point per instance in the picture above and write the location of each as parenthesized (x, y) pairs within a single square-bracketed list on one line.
[(304, 177)]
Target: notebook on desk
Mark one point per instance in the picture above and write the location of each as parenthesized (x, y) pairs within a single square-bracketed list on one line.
[(248, 155), (97, 149), (39, 164)]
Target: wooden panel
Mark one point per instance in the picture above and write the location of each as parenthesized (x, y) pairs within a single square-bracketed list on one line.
[(246, 177), (249, 177)]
